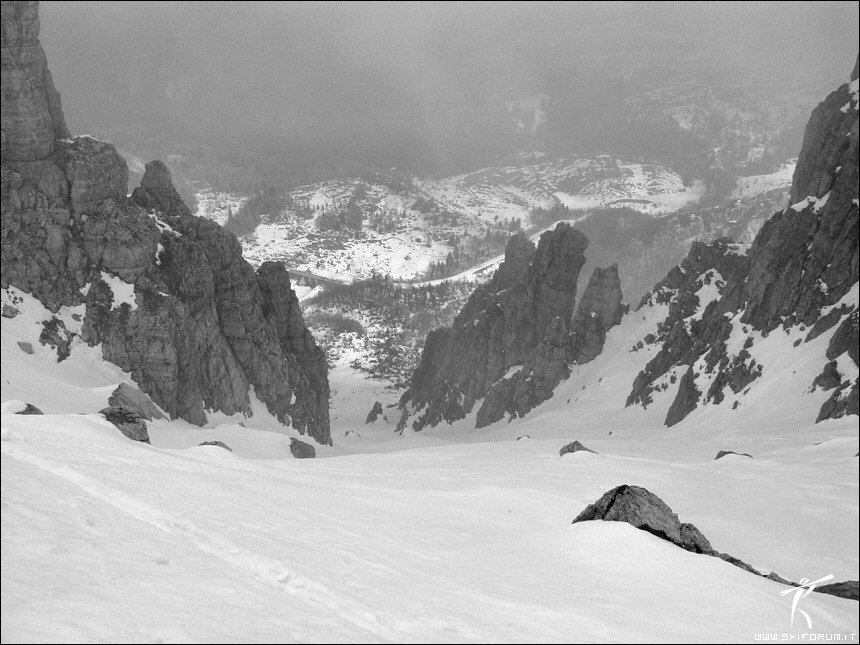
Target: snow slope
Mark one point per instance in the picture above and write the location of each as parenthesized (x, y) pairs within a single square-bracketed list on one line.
[(449, 535), (758, 184)]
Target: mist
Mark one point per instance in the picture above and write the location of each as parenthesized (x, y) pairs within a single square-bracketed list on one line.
[(427, 86)]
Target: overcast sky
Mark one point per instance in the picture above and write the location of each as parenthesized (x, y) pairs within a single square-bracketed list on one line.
[(433, 69)]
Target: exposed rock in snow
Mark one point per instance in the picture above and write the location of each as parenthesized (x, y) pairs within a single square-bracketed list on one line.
[(129, 422), (574, 446), (301, 449), (644, 510)]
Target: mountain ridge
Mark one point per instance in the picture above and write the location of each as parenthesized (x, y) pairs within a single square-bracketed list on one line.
[(197, 327)]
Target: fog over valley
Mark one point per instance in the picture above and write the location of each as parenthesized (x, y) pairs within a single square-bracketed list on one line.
[(429, 87)]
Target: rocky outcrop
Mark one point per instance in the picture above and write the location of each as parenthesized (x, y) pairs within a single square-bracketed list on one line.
[(691, 290), (129, 422), (510, 342), (849, 589), (644, 510), (302, 450), (130, 398), (167, 295), (803, 262), (574, 446), (374, 413), (29, 408), (217, 444), (598, 310), (725, 453), (32, 119), (517, 336), (306, 360)]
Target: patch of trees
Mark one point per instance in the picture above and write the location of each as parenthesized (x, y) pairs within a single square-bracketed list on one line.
[(350, 218), (542, 217), (467, 251), (266, 199), (396, 318)]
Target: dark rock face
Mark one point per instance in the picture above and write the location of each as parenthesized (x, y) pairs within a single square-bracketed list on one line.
[(54, 334), (130, 398), (302, 450), (30, 409), (644, 510), (374, 413), (219, 444), (307, 361), (128, 422), (738, 563), (849, 589), (773, 575), (723, 453), (203, 327), (31, 116), (512, 343), (799, 267), (694, 284), (574, 446), (599, 309)]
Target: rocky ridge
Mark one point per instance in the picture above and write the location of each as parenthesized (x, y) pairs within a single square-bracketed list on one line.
[(514, 340), (644, 510), (799, 272), (167, 295)]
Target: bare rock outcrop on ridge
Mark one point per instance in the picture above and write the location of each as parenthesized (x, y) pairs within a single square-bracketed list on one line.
[(515, 339), (168, 295), (802, 263)]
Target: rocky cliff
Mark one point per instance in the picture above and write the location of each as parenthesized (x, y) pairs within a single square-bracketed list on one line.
[(514, 340), (801, 271), (167, 295), (31, 115)]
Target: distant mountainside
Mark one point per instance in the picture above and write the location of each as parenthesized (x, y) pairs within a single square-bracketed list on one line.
[(723, 300), (166, 295), (640, 216)]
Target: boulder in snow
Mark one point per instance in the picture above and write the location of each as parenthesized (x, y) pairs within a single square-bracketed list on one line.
[(723, 453), (220, 444), (302, 450), (574, 446), (644, 510), (129, 397), (128, 421), (374, 413)]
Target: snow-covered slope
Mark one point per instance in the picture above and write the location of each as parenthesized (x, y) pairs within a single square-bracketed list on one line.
[(757, 184), (450, 534)]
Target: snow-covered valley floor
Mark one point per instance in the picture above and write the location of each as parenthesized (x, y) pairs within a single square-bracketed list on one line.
[(448, 535)]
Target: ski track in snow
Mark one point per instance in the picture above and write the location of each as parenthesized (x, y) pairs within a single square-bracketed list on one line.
[(269, 571)]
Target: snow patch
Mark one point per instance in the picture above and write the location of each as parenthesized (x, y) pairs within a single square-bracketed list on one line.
[(123, 293), (513, 371), (816, 202), (753, 185), (163, 226)]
